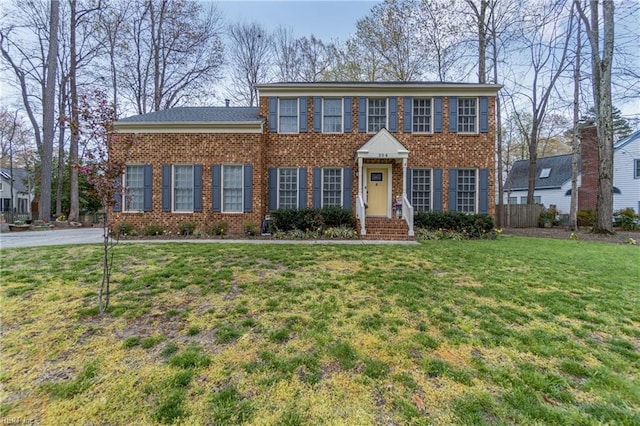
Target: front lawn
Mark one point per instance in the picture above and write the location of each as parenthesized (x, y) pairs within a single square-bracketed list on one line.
[(512, 331)]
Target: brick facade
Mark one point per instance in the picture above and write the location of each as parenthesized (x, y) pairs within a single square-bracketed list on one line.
[(309, 149), (588, 191)]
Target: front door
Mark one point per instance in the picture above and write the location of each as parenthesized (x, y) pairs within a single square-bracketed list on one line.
[(377, 191)]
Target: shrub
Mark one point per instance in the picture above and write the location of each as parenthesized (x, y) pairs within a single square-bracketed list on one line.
[(341, 232), (219, 228), (471, 225), (250, 229), (337, 217), (627, 219), (548, 216), (187, 228), (126, 228), (153, 229), (586, 217)]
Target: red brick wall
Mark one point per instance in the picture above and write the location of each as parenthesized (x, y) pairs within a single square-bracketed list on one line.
[(588, 190), (207, 150), (438, 150)]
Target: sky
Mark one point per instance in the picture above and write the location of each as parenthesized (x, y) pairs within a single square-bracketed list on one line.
[(328, 20)]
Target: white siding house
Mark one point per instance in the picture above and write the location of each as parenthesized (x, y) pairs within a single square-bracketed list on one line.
[(626, 172), (552, 185), (20, 200)]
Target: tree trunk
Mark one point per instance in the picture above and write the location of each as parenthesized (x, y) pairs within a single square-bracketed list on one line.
[(48, 114), (573, 209), (74, 199)]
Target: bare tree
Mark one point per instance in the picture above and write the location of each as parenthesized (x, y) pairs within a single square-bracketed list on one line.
[(316, 58), (575, 146), (389, 31), (545, 36), (173, 53), (601, 65), (249, 56), (286, 55), (481, 22)]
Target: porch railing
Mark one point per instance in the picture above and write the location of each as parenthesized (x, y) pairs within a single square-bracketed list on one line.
[(407, 214), (360, 214)]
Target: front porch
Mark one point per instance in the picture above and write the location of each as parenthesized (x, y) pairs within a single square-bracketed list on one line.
[(383, 208)]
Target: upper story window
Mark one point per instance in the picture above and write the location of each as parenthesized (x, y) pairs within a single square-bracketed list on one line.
[(636, 168), (288, 116), (545, 173), (183, 188), (376, 114), (332, 115), (537, 199), (421, 116), (513, 200), (467, 115), (232, 186), (134, 189)]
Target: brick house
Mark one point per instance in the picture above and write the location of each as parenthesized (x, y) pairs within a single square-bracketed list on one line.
[(368, 147)]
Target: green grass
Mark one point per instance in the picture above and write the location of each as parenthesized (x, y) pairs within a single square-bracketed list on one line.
[(512, 331)]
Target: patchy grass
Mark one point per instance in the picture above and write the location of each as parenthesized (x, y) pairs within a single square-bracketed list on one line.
[(513, 331)]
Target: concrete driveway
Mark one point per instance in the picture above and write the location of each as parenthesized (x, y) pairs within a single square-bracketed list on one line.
[(52, 237)]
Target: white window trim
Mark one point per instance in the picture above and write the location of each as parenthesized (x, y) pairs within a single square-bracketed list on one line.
[(297, 185), (341, 184), (341, 115), (123, 195), (222, 210), (430, 186), (297, 101), (431, 122), (476, 207), (173, 183), (386, 120), (477, 124)]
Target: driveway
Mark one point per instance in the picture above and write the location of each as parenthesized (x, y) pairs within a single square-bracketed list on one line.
[(52, 237)]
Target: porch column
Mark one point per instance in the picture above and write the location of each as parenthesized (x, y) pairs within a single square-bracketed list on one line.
[(360, 177), (404, 178)]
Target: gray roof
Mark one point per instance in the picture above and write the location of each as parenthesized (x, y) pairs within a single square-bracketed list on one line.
[(626, 141), (198, 115), (20, 178), (560, 172)]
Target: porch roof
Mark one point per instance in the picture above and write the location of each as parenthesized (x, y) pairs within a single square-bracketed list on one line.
[(382, 145)]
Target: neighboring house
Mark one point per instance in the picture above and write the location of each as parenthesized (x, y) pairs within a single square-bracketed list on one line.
[(626, 172), (553, 176), (552, 184), (20, 200), (361, 146)]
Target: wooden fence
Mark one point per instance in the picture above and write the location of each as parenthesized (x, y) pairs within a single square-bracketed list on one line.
[(520, 215)]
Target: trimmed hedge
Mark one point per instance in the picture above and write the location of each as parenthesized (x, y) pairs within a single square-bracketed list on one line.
[(474, 225), (309, 219)]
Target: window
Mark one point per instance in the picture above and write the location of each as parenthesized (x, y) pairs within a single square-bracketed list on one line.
[(466, 191), (376, 114), (23, 205), (288, 116), (467, 115), (421, 189), (636, 168), (287, 188), (537, 199), (232, 188), (513, 200), (134, 189), (331, 187), (545, 173), (183, 188), (422, 115), (332, 115)]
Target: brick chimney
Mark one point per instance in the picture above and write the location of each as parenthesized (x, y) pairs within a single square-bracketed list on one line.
[(589, 157)]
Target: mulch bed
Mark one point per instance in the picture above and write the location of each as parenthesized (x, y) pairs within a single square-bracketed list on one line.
[(585, 234)]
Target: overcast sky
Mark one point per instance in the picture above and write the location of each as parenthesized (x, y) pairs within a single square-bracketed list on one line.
[(326, 19)]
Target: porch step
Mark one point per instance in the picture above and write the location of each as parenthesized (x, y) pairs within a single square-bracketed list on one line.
[(386, 229)]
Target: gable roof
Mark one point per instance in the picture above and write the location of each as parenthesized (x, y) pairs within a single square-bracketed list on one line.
[(559, 173), (629, 139), (382, 145), (20, 178)]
